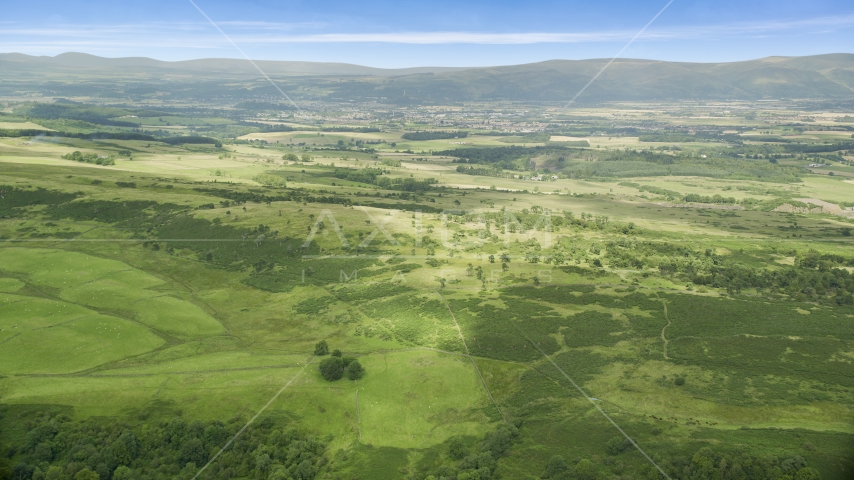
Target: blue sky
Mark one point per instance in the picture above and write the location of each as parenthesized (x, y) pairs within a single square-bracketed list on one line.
[(392, 34)]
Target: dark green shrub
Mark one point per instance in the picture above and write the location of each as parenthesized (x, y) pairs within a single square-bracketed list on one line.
[(5, 469), (617, 445), (556, 467), (457, 448), (193, 452), (331, 369), (321, 348), (355, 370), (808, 473), (500, 440), (586, 470)]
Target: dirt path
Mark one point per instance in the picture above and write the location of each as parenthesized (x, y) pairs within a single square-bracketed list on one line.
[(663, 337), (161, 387)]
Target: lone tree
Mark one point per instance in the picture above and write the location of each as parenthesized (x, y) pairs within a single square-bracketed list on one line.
[(321, 348), (355, 370), (332, 369)]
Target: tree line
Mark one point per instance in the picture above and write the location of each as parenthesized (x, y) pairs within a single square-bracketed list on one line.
[(57, 448), (90, 158), (420, 136)]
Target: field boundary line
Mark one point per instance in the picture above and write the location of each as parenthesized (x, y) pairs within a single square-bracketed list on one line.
[(593, 402), (168, 338), (187, 372), (161, 387), (58, 324), (358, 413), (230, 441), (468, 354)]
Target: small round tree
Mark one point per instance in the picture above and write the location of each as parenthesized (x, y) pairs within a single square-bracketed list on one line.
[(321, 348), (355, 370), (556, 468), (331, 369)]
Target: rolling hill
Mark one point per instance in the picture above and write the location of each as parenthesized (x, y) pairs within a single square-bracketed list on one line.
[(826, 76), (821, 76), (83, 62)]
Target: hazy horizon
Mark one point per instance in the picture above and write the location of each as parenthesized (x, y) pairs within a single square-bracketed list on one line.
[(389, 35), (239, 58)]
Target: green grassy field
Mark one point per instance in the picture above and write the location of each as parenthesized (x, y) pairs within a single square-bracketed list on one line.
[(173, 288)]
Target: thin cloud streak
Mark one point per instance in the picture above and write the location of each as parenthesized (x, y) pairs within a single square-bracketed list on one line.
[(273, 25), (188, 34), (442, 38)]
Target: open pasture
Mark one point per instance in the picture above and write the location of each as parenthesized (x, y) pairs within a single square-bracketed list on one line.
[(191, 283)]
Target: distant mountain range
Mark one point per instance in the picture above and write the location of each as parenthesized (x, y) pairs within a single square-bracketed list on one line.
[(74, 61), (820, 76), (823, 76)]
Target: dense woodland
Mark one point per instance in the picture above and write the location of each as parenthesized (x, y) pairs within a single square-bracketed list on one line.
[(57, 448), (584, 163)]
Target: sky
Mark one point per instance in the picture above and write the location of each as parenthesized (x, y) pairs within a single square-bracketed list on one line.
[(395, 34)]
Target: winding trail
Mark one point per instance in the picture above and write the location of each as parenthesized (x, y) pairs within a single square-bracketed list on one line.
[(468, 354), (663, 337)]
